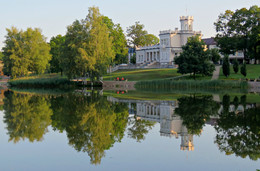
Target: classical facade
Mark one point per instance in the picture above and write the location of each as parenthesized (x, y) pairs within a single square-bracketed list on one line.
[(171, 42)]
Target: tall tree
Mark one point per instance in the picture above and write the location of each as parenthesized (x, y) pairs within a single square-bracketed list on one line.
[(57, 46), (226, 66), (89, 46), (151, 39), (119, 40), (243, 69), (25, 51), (239, 30), (194, 59), (214, 55), (137, 34), (236, 66), (1, 56)]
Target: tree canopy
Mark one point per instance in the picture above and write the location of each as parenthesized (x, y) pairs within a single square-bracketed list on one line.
[(89, 46), (25, 51), (194, 59), (239, 30), (140, 37)]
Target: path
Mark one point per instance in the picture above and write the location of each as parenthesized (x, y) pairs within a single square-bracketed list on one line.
[(216, 73)]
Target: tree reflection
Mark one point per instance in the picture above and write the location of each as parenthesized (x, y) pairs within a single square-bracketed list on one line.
[(238, 132), (139, 128), (26, 116), (195, 111), (93, 124)]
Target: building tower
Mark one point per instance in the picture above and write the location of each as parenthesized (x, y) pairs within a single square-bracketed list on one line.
[(186, 23)]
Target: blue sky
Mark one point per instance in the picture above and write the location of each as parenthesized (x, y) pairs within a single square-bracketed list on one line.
[(53, 16)]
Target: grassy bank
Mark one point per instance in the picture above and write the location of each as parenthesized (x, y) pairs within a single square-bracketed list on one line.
[(142, 74), (191, 85), (42, 81), (253, 71)]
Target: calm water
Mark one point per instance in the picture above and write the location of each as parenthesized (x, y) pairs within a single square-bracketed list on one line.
[(96, 131)]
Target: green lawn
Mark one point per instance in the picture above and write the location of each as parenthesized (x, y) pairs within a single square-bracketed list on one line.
[(253, 71), (143, 74)]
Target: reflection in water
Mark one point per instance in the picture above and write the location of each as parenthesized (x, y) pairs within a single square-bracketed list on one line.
[(238, 129), (26, 116), (93, 123)]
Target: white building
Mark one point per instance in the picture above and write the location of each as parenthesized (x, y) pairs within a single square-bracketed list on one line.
[(171, 42)]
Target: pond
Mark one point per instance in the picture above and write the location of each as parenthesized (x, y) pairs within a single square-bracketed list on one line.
[(96, 130)]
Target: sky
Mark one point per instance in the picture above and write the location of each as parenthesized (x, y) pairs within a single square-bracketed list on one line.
[(53, 16)]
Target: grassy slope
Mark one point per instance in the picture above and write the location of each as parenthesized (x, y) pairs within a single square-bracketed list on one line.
[(143, 74), (253, 71)]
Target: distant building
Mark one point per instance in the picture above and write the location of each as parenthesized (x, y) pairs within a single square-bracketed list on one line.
[(170, 46), (212, 44)]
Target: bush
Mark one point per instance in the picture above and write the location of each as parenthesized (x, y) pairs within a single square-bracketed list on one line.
[(236, 66), (243, 69), (225, 66)]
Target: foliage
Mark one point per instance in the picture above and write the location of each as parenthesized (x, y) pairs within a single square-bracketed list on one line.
[(214, 55), (239, 30), (236, 66), (194, 59), (1, 56), (89, 47), (138, 128), (226, 66), (119, 40), (169, 85), (151, 39), (238, 132), (25, 51), (92, 123), (243, 69), (133, 59), (252, 73), (57, 47), (195, 111), (140, 37), (26, 116)]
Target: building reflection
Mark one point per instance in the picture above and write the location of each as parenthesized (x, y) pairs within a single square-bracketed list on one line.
[(171, 125)]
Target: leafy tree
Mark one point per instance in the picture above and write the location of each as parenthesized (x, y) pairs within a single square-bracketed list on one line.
[(26, 116), (239, 30), (214, 55), (236, 66), (137, 34), (194, 59), (226, 66), (119, 40), (89, 46), (243, 69), (133, 59), (151, 39), (57, 47), (25, 51), (195, 111)]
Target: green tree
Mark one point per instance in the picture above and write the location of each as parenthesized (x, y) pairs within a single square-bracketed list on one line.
[(226, 66), (57, 46), (236, 66), (89, 46), (243, 69), (136, 33), (25, 51), (119, 40), (151, 39), (214, 55), (239, 30), (194, 59)]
